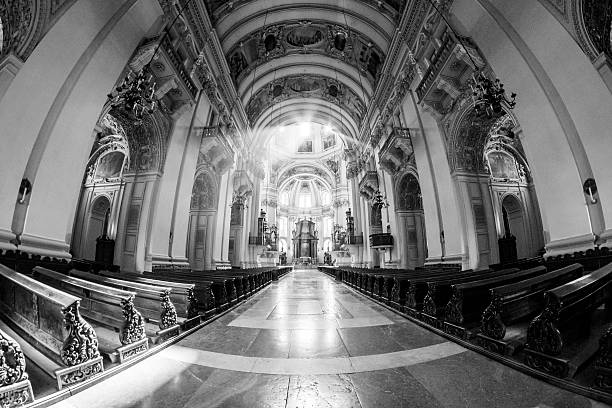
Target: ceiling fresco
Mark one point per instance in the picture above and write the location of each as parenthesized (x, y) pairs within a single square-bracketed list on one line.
[(305, 86), (305, 37)]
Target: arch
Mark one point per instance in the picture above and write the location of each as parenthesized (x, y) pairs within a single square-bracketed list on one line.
[(488, 162), (97, 219), (408, 193), (104, 177), (318, 37), (410, 220), (300, 110), (468, 136), (147, 141), (300, 86), (204, 192)]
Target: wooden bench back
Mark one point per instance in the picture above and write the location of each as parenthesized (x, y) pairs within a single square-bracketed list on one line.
[(35, 310)]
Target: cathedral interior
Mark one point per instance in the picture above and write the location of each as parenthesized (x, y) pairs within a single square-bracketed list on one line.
[(314, 203)]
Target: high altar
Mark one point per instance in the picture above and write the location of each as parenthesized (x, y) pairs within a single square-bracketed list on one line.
[(305, 240)]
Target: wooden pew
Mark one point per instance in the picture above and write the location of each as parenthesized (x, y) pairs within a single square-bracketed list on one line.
[(55, 336), (108, 310), (417, 288), (15, 387), (515, 302), (407, 297), (559, 340), (468, 300), (183, 294), (211, 290), (152, 301), (439, 293)]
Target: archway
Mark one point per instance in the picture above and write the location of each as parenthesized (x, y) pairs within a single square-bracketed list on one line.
[(202, 221), (513, 218), (411, 221), (102, 188), (96, 223), (488, 164)]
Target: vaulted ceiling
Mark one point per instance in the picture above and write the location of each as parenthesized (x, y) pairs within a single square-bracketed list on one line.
[(312, 60)]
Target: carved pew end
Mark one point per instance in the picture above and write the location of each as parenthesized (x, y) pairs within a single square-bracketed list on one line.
[(17, 394)]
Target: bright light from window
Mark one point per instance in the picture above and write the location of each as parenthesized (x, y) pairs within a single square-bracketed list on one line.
[(325, 198), (304, 200)]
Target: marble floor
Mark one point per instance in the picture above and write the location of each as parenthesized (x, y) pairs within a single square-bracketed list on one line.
[(307, 341)]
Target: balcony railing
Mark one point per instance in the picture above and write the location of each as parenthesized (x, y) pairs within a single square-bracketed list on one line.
[(178, 65), (437, 62), (383, 240)]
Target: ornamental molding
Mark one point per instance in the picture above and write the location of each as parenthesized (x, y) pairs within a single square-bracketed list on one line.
[(219, 9), (570, 16), (25, 23), (305, 86), (412, 20), (305, 37), (211, 52)]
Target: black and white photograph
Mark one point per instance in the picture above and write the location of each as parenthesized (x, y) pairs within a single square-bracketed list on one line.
[(305, 204)]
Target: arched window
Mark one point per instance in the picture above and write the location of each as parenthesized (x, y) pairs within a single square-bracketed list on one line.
[(284, 198), (325, 197), (304, 199), (502, 165), (409, 194)]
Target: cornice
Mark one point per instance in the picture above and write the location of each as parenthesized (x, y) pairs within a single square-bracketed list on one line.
[(208, 43), (406, 34)]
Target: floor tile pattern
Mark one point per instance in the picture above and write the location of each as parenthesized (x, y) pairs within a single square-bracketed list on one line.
[(307, 341)]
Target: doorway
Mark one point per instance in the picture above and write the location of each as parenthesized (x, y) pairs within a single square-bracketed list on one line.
[(100, 210)]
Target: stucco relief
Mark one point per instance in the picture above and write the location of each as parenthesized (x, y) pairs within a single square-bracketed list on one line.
[(312, 37), (203, 195), (409, 194), (147, 141), (305, 86), (24, 23)]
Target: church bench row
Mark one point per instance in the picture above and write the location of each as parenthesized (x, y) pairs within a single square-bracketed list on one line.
[(47, 323), (183, 295), (109, 310), (566, 334), (229, 285), (237, 284), (516, 302), (152, 301), (213, 292), (560, 339), (469, 299), (440, 290)]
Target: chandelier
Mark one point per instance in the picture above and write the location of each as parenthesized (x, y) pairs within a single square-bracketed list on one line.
[(136, 94), (378, 200), (490, 96)]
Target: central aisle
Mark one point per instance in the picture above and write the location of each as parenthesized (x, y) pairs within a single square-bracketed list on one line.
[(307, 341)]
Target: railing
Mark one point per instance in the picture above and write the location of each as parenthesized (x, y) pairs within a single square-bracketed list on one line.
[(256, 240), (437, 62), (384, 240), (178, 66)]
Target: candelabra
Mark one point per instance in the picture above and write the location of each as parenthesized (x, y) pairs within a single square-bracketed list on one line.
[(489, 96), (379, 200), (136, 94)]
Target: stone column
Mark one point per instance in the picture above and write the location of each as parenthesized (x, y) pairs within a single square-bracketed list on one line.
[(135, 222)]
